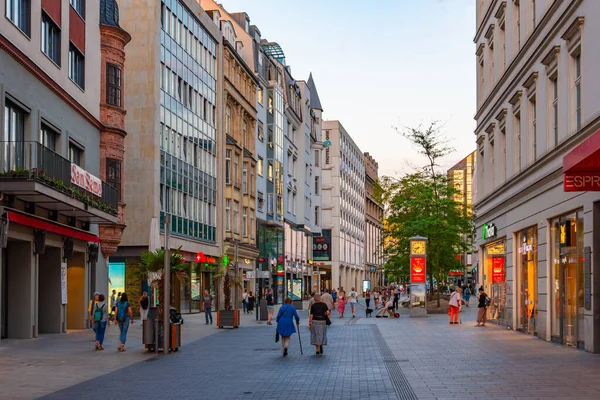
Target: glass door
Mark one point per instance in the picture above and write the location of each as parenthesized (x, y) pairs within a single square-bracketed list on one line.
[(569, 318)]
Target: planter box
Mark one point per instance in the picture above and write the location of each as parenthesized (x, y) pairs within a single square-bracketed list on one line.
[(228, 318)]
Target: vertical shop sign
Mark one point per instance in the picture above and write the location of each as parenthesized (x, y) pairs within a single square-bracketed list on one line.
[(63, 282), (497, 269), (587, 277), (417, 270)]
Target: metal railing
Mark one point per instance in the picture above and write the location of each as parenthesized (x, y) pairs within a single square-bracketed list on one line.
[(33, 160)]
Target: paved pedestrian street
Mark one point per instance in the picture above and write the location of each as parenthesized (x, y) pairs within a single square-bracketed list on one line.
[(366, 358)]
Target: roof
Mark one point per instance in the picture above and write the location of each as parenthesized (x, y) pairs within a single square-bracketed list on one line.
[(109, 13), (315, 102), (274, 50)]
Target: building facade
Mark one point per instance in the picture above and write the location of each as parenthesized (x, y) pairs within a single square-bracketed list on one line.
[(173, 164), (461, 177), (343, 211), (61, 213), (537, 132), (373, 226)]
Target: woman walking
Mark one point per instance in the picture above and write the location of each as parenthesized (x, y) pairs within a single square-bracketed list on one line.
[(317, 323), (100, 315), (484, 302), (124, 318), (285, 323), (245, 301), (368, 298), (251, 300), (341, 303), (454, 306), (467, 296)]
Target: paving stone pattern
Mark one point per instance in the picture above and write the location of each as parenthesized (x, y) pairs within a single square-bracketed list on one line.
[(247, 364)]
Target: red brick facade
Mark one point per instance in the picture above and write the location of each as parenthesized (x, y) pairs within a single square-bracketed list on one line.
[(112, 142)]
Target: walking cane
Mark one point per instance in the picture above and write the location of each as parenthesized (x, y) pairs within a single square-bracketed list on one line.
[(300, 339)]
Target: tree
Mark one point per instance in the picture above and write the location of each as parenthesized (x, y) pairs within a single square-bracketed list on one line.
[(422, 203), (152, 268)]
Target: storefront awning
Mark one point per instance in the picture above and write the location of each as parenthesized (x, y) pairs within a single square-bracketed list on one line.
[(581, 166), (42, 223)]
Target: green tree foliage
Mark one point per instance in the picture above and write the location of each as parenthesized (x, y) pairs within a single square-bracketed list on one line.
[(422, 203)]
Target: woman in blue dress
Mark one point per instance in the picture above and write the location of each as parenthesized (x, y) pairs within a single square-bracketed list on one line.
[(285, 323)]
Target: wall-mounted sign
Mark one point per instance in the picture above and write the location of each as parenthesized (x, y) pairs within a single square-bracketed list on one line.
[(203, 258), (489, 231), (85, 180), (327, 160), (322, 246), (418, 270), (247, 261), (498, 269), (581, 182), (455, 273), (63, 282)]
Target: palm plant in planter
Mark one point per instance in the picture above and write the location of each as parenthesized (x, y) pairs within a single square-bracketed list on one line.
[(152, 269), (228, 316)]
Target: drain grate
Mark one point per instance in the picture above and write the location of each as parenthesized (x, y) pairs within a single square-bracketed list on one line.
[(403, 389)]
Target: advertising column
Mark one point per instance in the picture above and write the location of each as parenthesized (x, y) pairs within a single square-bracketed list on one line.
[(418, 276)]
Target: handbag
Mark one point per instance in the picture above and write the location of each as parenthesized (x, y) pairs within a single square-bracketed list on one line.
[(327, 320), (276, 336)]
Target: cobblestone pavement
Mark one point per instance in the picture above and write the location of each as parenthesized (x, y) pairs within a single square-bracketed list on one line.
[(406, 358)]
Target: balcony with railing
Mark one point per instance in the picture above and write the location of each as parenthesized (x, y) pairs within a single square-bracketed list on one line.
[(33, 173)]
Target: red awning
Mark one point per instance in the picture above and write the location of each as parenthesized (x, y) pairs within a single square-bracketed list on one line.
[(585, 157), (41, 223)]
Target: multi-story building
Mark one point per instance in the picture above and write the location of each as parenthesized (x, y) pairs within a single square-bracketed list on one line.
[(373, 225), (61, 106), (239, 122), (537, 153), (342, 251), (461, 177), (172, 166)]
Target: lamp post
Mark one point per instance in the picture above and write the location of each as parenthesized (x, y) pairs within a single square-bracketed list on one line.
[(166, 287), (418, 276)]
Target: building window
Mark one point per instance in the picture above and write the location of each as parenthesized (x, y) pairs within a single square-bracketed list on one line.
[(76, 66), (317, 158), (14, 131), (533, 12), (245, 177), (245, 133), (555, 109), (228, 167), (270, 106), (270, 172), (316, 185), (518, 150), (259, 166), (533, 108), (228, 120), (236, 217), (19, 12), (317, 215), (228, 215), (48, 137), (261, 134), (236, 170), (113, 174), (260, 200), (113, 85), (245, 222), (578, 91), (260, 96), (50, 39), (75, 154), (79, 6)]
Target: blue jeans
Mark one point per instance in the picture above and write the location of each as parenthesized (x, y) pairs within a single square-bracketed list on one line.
[(208, 314), (123, 327), (100, 329), (245, 304)]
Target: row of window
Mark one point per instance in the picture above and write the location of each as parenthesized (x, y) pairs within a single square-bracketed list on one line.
[(234, 224)]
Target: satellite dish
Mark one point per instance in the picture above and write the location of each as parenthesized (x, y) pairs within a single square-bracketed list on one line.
[(327, 143)]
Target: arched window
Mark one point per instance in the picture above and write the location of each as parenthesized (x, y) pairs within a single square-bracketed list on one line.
[(228, 120)]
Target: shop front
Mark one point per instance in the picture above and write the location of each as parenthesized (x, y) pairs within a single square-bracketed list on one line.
[(527, 275), (494, 260), (567, 291)]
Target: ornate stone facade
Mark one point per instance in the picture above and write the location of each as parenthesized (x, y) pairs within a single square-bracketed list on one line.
[(113, 40)]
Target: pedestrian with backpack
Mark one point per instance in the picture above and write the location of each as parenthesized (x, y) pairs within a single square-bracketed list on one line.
[(124, 316), (100, 319), (484, 303)]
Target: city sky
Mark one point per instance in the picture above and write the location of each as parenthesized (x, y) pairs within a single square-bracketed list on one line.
[(379, 64)]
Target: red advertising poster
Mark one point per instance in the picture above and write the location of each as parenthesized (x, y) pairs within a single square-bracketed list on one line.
[(497, 269), (417, 270)]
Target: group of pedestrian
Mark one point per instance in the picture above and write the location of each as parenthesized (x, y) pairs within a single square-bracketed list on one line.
[(462, 296), (120, 314), (248, 301)]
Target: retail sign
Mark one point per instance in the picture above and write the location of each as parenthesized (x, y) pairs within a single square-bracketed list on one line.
[(489, 231), (581, 182), (327, 159), (497, 269), (455, 273), (418, 270), (322, 246), (203, 258), (85, 180), (565, 233), (63, 282)]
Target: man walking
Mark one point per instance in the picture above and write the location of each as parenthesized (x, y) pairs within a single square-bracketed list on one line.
[(270, 306), (353, 300), (327, 299), (207, 305), (396, 299)]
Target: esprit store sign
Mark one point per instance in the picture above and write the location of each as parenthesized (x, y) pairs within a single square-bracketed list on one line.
[(581, 182), (85, 180)]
